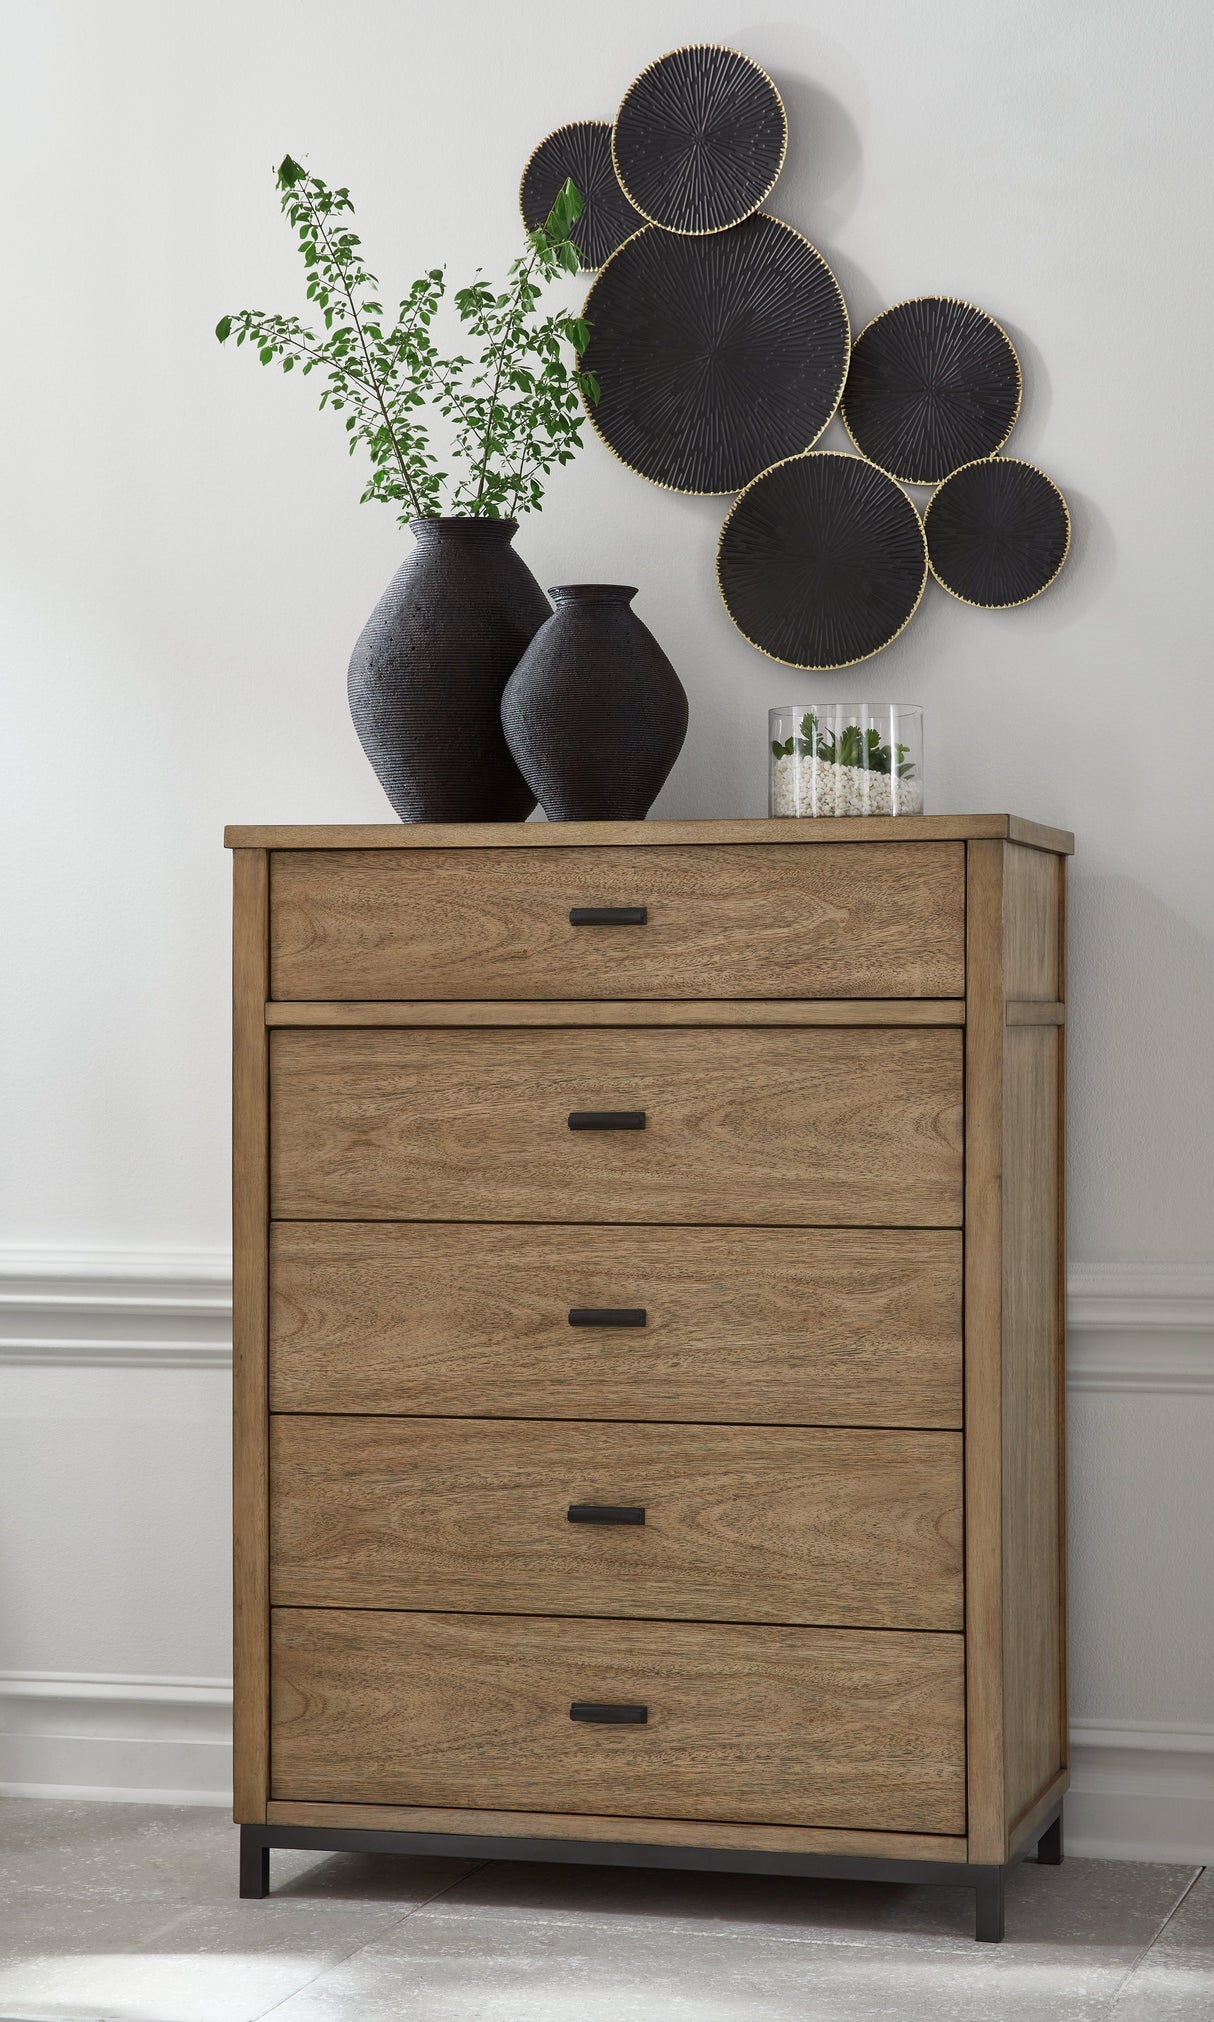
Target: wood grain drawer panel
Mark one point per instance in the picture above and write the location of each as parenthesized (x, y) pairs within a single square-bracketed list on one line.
[(821, 1727), (741, 1523), (826, 1127), (840, 920), (812, 1327)]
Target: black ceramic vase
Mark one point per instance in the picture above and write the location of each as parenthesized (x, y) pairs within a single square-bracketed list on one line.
[(594, 712), (426, 677)]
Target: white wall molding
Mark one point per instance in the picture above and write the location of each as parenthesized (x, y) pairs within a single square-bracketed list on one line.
[(136, 1739), (1141, 1792), (1146, 1328), (116, 1308)]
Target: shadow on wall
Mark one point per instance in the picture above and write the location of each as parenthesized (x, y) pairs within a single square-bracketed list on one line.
[(825, 156), (1141, 1121)]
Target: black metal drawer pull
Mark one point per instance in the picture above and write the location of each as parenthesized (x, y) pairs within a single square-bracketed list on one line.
[(608, 916), (606, 1119), (607, 1316), (606, 1512), (609, 1716)]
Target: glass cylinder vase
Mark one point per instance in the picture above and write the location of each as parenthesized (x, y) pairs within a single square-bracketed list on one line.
[(845, 758)]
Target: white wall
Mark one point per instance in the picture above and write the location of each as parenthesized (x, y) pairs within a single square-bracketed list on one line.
[(185, 567)]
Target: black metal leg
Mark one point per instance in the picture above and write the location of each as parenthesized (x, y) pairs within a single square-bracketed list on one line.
[(1049, 1846), (254, 1863), (988, 1907)]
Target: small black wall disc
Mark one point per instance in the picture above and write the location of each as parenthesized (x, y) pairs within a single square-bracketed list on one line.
[(998, 532), (822, 561), (932, 384), (581, 152), (699, 139)]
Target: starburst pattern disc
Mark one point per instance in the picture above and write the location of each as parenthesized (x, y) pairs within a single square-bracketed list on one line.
[(933, 384), (716, 356), (699, 139), (822, 561), (998, 532), (581, 152)]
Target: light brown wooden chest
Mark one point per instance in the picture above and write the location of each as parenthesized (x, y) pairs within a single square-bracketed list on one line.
[(660, 1315)]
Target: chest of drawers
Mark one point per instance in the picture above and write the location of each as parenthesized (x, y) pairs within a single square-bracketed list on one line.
[(648, 1344)]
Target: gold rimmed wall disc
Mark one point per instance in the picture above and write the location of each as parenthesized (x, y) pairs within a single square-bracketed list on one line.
[(581, 153), (998, 532), (933, 383), (716, 356), (699, 139), (822, 561)]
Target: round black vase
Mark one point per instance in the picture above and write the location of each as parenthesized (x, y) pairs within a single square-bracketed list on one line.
[(594, 712), (426, 677)]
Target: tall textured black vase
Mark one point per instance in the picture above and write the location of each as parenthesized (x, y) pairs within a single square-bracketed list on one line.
[(427, 674), (594, 712)]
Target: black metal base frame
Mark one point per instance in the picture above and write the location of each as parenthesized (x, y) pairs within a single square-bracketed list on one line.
[(986, 1882)]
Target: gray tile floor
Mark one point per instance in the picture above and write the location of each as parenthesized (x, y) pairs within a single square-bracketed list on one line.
[(128, 1913)]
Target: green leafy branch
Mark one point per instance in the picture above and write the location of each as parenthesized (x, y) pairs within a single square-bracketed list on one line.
[(515, 410), (851, 746)]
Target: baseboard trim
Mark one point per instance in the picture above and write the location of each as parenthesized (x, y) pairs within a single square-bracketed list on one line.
[(138, 1739), (1130, 1329), (1141, 1793)]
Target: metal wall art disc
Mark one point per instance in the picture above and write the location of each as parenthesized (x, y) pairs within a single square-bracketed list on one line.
[(822, 561), (933, 384), (699, 139), (716, 356), (998, 532), (581, 151)]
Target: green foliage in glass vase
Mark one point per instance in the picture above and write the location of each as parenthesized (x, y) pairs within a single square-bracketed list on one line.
[(851, 746), (512, 411)]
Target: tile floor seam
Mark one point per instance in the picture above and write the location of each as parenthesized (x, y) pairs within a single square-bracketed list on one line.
[(392, 1924), (1126, 1985), (1151, 1943)]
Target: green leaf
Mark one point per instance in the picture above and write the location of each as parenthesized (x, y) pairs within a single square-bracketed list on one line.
[(290, 173), (223, 329)]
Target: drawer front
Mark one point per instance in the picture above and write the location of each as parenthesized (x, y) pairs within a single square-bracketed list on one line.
[(821, 1727), (707, 1523), (756, 920), (813, 1327), (829, 1127)]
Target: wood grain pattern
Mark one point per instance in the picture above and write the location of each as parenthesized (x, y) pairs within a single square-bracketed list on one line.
[(820, 1727), (648, 1011), (250, 1209), (742, 1524), (1060, 1334), (1026, 1827), (1031, 945), (1029, 1011), (983, 1352), (1031, 1553), (849, 1127), (558, 1825), (654, 834), (821, 1327), (722, 922)]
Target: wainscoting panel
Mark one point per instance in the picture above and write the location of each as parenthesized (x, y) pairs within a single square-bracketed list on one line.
[(114, 1540)]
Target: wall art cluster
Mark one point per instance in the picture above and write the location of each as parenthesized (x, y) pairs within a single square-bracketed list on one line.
[(723, 347)]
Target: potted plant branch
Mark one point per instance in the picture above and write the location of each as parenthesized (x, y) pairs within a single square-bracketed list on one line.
[(427, 673)]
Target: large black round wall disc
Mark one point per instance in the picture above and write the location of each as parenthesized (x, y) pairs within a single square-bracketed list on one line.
[(822, 561), (998, 532), (699, 139), (581, 152), (932, 384), (716, 356)]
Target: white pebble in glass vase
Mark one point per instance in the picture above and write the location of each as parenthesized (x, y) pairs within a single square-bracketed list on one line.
[(845, 759)]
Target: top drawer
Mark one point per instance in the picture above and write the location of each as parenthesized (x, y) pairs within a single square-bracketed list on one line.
[(750, 920)]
